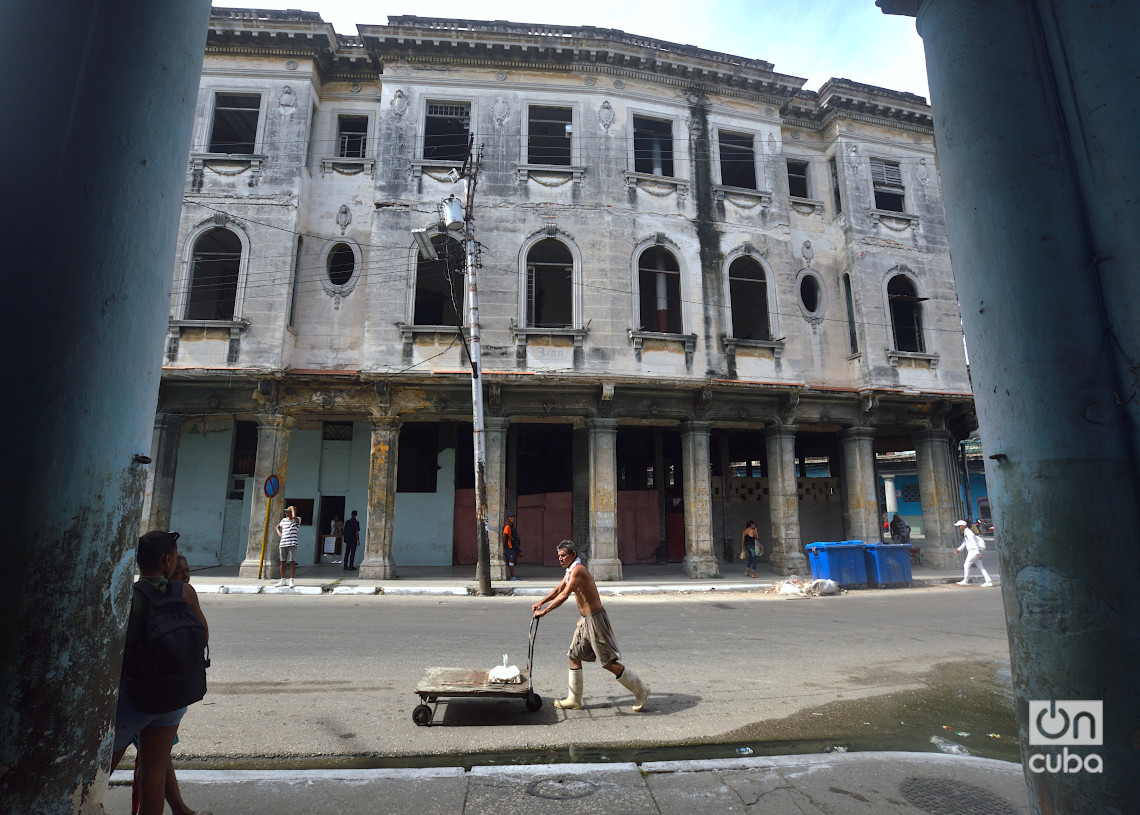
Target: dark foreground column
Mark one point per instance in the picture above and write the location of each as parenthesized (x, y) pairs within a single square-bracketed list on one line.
[(95, 160), (1035, 114)]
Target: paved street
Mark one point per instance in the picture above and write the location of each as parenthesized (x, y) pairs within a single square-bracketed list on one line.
[(301, 677)]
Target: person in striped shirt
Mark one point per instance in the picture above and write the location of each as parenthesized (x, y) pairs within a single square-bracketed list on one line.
[(289, 530)]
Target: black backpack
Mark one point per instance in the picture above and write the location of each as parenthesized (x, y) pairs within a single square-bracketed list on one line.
[(166, 668)]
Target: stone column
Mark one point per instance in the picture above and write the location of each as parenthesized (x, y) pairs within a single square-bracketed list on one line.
[(160, 476), (495, 434), (783, 498), (891, 495), (938, 490), (273, 433), (700, 561), (859, 476), (107, 119), (377, 563), (1046, 259), (604, 562)]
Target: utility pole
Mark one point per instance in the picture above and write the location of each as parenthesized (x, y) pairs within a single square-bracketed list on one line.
[(456, 216), (483, 569)]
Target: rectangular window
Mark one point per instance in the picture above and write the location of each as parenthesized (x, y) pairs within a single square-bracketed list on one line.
[(337, 431), (245, 448), (886, 176), (833, 169), (548, 135), (737, 161), (418, 460), (235, 123), (852, 336), (652, 146), (351, 136), (312, 146), (445, 131), (798, 179)]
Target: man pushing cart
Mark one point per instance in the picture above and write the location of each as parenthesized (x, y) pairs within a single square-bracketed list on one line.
[(593, 638)]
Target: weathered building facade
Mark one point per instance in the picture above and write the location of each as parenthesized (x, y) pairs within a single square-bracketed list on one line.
[(706, 295)]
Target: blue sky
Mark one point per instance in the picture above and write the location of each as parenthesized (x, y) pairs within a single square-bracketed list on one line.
[(814, 39)]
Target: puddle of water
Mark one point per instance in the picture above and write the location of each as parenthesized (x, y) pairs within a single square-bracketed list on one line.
[(964, 708)]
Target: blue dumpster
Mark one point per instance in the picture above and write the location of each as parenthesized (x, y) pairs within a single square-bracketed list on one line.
[(888, 563), (842, 562)]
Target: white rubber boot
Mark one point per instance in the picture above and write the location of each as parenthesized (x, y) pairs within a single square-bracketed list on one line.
[(635, 686), (574, 700)]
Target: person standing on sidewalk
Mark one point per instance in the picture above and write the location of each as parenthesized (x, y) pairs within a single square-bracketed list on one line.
[(973, 546), (750, 548), (351, 541), (593, 638), (511, 545), (289, 530)]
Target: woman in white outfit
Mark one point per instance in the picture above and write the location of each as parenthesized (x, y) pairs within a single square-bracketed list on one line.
[(973, 546)]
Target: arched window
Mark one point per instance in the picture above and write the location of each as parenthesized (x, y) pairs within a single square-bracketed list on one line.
[(748, 294), (549, 285), (906, 314), (341, 263), (216, 265), (439, 285), (659, 290)]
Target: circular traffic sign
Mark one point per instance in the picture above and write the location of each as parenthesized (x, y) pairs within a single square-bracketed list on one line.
[(272, 485)]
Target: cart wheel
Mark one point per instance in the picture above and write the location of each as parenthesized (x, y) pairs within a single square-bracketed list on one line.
[(533, 701), (422, 715)]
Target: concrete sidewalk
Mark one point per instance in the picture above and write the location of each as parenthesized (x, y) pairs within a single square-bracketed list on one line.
[(331, 578), (849, 783)]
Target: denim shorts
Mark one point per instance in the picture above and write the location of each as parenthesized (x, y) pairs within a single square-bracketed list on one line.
[(288, 554), (129, 721)]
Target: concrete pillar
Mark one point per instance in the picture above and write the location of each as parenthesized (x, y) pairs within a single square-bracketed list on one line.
[(261, 549), (581, 484), (495, 434), (938, 491), (160, 475), (700, 561), (891, 495), (603, 560), (92, 194), (378, 563), (783, 496), (859, 477), (1046, 258)]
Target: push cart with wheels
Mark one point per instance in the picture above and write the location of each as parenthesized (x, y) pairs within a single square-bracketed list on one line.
[(443, 683)]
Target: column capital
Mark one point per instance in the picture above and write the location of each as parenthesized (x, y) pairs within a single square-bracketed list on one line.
[(933, 435), (276, 420), (696, 426), (382, 423), (499, 423), (602, 424), (777, 431), (857, 433)]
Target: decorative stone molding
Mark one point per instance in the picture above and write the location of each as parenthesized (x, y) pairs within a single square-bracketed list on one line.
[(177, 327), (435, 169), (501, 110), (606, 114), (409, 333), (551, 175), (347, 166), (732, 343), (805, 206), (657, 185), (522, 334), (743, 198), (808, 253), (338, 293), (897, 221), (224, 164), (688, 341), (343, 217), (399, 103), (893, 358), (287, 102)]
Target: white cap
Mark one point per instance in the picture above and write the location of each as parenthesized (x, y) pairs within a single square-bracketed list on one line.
[(959, 523)]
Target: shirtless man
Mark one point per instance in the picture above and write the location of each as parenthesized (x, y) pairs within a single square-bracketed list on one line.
[(593, 638)]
